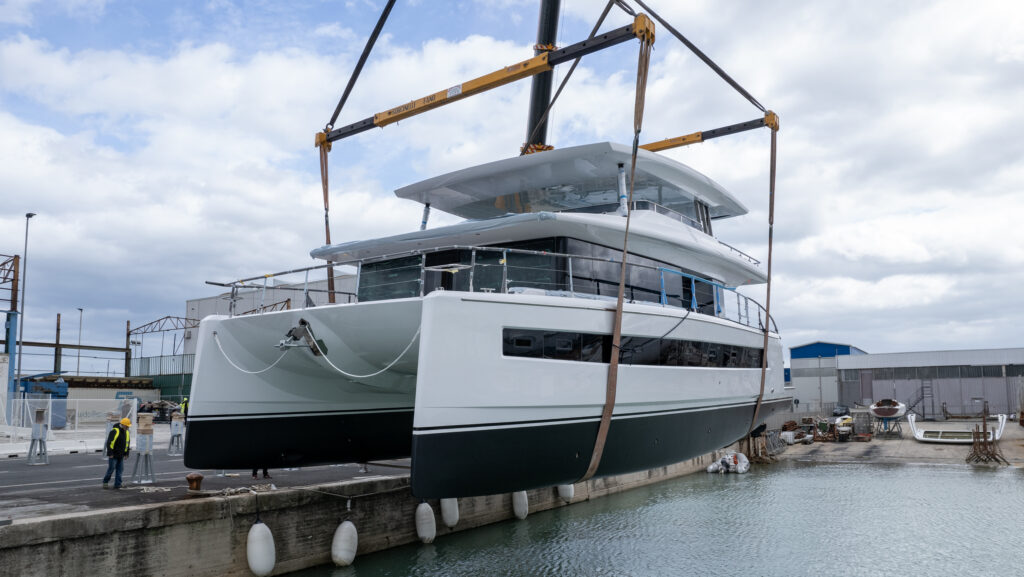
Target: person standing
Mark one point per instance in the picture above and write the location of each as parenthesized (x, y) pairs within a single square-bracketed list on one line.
[(266, 475), (117, 447)]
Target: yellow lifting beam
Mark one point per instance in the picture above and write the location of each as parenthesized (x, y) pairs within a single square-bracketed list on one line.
[(771, 120), (642, 27)]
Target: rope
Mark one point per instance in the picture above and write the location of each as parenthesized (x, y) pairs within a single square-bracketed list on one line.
[(216, 339), (611, 386), (391, 364)]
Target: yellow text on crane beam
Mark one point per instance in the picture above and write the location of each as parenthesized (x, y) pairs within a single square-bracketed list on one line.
[(523, 69)]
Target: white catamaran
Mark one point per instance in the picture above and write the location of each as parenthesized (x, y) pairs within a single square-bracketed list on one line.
[(485, 350), (481, 349)]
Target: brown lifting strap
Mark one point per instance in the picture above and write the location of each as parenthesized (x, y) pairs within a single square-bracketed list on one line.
[(768, 297), (646, 41)]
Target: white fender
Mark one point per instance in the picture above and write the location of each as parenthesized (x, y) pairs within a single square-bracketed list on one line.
[(344, 545), (426, 528), (450, 512), (566, 492), (520, 504), (259, 549)]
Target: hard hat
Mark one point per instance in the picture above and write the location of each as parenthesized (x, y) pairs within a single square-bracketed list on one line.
[(126, 422), (186, 398)]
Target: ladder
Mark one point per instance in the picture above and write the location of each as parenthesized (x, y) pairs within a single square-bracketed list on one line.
[(925, 394)]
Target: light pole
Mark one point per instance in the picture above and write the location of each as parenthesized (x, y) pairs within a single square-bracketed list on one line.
[(24, 274), (78, 367)]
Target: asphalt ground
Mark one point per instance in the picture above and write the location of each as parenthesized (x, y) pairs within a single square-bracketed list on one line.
[(73, 482)]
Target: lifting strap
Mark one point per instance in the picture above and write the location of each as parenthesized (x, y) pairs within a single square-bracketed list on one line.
[(325, 147), (646, 42), (768, 297)]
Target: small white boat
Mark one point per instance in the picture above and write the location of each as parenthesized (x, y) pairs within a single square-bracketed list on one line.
[(888, 409), (953, 436)]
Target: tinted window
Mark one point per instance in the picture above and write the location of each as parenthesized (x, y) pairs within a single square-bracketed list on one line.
[(390, 279), (562, 346), (640, 351), (593, 348), (596, 348), (523, 343)]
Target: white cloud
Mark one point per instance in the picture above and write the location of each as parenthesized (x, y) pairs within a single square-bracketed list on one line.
[(900, 162), (334, 30), (18, 12)]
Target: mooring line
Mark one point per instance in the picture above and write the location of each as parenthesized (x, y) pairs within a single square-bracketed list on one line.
[(216, 339)]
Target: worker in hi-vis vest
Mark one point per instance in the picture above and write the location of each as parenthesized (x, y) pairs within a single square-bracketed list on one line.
[(117, 447)]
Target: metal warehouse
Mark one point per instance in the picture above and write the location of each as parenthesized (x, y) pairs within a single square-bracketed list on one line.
[(934, 384)]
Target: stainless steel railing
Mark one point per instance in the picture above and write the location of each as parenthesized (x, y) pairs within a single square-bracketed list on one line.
[(489, 270)]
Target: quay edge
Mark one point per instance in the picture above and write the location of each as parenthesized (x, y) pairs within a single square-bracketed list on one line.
[(206, 536)]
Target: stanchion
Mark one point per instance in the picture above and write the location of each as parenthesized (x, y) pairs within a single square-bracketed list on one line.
[(144, 450), (177, 429), (37, 450), (144, 455)]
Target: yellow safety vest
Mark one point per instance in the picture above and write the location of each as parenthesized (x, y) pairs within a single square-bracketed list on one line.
[(127, 438)]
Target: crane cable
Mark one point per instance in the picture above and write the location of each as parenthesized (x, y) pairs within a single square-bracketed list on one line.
[(643, 63), (704, 57), (325, 146)]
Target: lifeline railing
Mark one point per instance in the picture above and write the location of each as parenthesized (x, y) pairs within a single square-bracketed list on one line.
[(704, 296)]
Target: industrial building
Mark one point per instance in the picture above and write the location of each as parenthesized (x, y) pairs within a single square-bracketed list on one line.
[(933, 384)]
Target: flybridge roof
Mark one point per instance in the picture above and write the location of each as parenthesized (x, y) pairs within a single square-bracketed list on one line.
[(569, 178)]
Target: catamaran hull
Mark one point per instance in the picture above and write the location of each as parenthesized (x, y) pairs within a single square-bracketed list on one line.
[(487, 422), (511, 458), (475, 418), (255, 405)]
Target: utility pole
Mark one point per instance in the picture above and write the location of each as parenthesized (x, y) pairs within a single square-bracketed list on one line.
[(78, 365), (24, 273)]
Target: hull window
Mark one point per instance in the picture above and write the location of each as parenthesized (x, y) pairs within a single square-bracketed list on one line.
[(593, 348)]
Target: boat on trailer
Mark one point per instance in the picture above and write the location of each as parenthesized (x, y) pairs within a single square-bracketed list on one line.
[(481, 349), (888, 409)]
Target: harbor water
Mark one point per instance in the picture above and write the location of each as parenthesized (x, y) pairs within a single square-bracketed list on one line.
[(787, 519)]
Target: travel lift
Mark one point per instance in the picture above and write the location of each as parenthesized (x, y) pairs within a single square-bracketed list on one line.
[(642, 29)]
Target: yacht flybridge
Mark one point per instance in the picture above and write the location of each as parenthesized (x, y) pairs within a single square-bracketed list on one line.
[(523, 347)]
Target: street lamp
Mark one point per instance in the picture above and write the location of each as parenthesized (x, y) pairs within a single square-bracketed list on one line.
[(78, 367), (24, 274)]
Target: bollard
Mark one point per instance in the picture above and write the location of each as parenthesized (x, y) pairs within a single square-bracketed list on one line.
[(195, 481)]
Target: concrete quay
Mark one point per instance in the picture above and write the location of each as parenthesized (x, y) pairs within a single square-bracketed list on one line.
[(56, 520), (61, 522)]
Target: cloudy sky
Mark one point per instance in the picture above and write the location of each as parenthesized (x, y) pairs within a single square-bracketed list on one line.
[(164, 144)]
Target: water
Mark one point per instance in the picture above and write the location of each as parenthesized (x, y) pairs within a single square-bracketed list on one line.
[(789, 519)]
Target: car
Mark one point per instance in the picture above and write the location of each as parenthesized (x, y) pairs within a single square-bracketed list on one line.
[(840, 410)]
